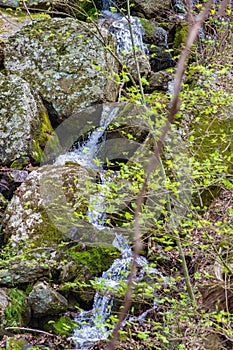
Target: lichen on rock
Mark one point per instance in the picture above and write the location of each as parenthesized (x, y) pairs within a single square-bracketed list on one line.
[(24, 123), (66, 61), (44, 300)]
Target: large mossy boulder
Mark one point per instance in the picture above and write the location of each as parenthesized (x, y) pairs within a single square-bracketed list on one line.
[(207, 110), (24, 123), (44, 208), (46, 233), (66, 61)]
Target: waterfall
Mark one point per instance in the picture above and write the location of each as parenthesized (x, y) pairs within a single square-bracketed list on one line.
[(121, 30), (85, 154), (91, 325), (119, 26)]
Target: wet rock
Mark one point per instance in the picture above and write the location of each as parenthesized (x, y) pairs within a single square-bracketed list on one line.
[(44, 300), (24, 123), (153, 34), (66, 62), (160, 59)]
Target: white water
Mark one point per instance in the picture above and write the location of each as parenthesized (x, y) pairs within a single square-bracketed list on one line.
[(92, 324), (85, 155), (119, 26)]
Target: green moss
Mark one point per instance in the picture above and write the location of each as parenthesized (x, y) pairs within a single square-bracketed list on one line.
[(180, 37), (45, 134), (20, 163), (148, 27), (16, 344), (207, 104), (46, 234), (16, 307), (95, 258)]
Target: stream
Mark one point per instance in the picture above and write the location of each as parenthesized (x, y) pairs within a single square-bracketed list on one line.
[(92, 324)]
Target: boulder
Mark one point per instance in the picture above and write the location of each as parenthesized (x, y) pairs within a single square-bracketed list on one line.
[(24, 122), (46, 206), (66, 61), (18, 272), (149, 8), (159, 81), (44, 300), (143, 63), (47, 235), (156, 39)]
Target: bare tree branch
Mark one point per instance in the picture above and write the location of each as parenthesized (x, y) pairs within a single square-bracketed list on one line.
[(195, 24)]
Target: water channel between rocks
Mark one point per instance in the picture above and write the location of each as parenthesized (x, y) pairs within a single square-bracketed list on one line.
[(91, 325)]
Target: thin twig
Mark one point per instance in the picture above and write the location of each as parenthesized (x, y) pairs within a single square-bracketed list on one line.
[(181, 66), (30, 330)]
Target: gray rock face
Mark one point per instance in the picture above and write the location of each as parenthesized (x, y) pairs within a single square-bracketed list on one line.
[(4, 302), (143, 63), (21, 118), (10, 24), (152, 7), (43, 207), (46, 301), (20, 272), (65, 60)]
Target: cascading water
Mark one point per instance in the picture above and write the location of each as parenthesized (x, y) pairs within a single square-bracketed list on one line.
[(119, 26), (85, 154), (91, 325)]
